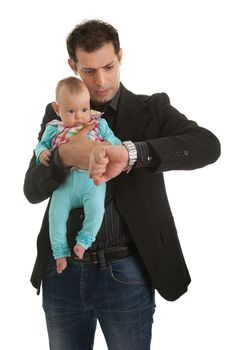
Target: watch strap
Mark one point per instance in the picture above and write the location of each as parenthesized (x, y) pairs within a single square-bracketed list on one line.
[(132, 151)]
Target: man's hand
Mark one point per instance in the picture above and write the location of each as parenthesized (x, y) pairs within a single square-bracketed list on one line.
[(76, 152), (106, 162), (44, 157)]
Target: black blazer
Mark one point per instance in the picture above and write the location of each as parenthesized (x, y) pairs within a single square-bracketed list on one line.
[(179, 144)]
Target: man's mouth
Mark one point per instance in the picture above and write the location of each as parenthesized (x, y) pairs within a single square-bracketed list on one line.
[(102, 92)]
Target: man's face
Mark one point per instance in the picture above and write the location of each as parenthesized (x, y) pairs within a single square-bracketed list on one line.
[(100, 71)]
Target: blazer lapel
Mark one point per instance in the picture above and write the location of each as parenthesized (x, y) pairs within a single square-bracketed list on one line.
[(131, 119), (130, 125)]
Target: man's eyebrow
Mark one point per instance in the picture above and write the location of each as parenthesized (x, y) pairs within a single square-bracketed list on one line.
[(106, 65), (110, 63)]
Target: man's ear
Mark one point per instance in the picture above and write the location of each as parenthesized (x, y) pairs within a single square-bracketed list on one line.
[(120, 55), (72, 65), (55, 108)]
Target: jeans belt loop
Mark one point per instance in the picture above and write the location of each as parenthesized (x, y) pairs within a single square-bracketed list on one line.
[(102, 260)]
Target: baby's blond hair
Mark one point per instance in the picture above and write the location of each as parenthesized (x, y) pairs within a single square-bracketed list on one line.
[(73, 84)]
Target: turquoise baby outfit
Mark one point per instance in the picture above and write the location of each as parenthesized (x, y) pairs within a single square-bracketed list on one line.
[(78, 190)]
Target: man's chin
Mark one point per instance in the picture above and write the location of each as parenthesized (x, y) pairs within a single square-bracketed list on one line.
[(101, 100)]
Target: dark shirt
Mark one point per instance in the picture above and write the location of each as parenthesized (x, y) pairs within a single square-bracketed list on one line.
[(113, 231)]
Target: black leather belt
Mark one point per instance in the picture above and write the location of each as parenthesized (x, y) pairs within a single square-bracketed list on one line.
[(103, 257)]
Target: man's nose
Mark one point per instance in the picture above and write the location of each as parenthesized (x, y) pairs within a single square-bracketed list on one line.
[(100, 77)]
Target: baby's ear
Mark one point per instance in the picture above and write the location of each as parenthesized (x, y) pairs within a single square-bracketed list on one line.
[(55, 108)]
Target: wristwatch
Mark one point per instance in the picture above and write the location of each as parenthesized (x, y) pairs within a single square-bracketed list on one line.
[(132, 151)]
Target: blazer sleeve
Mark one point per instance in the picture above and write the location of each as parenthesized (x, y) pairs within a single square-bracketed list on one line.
[(181, 144), (41, 181)]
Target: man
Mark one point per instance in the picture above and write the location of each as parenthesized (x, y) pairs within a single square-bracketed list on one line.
[(137, 249)]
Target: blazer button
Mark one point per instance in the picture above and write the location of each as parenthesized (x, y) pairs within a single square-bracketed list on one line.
[(173, 154), (186, 153)]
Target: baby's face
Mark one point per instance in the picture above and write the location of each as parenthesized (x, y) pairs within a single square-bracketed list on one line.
[(74, 108)]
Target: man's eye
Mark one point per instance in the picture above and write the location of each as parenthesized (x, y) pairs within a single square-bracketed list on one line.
[(109, 67), (89, 72)]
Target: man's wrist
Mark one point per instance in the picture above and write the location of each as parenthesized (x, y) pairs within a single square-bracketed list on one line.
[(132, 152)]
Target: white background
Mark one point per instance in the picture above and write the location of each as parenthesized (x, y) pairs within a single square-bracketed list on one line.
[(181, 47)]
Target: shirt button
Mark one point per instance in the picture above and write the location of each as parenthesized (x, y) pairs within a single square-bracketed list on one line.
[(186, 153), (149, 158)]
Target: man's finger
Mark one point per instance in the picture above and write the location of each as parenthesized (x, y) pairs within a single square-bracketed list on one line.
[(90, 126), (97, 172), (99, 155), (102, 143), (98, 162), (98, 180)]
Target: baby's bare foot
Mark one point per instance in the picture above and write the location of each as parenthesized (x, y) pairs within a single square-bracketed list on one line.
[(61, 264), (79, 251)]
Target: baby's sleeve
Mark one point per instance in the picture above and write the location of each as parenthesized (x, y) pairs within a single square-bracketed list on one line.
[(106, 133), (46, 141)]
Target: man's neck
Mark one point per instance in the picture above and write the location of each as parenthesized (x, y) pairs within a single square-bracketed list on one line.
[(112, 103)]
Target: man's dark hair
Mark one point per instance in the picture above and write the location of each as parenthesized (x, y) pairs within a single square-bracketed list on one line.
[(91, 35)]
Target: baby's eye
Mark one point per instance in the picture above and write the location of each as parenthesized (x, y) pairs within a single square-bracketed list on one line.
[(84, 110), (71, 111)]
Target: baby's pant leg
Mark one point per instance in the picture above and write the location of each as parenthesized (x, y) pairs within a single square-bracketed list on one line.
[(60, 206), (93, 202)]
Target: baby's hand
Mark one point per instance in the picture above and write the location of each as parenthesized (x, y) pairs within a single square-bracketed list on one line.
[(44, 157), (79, 251), (61, 264)]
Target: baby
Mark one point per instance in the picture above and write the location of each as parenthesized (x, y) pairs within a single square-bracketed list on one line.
[(78, 190)]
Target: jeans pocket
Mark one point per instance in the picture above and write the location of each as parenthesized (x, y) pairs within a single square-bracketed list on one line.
[(129, 271)]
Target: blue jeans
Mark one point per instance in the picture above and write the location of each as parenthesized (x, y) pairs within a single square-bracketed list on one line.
[(121, 297)]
